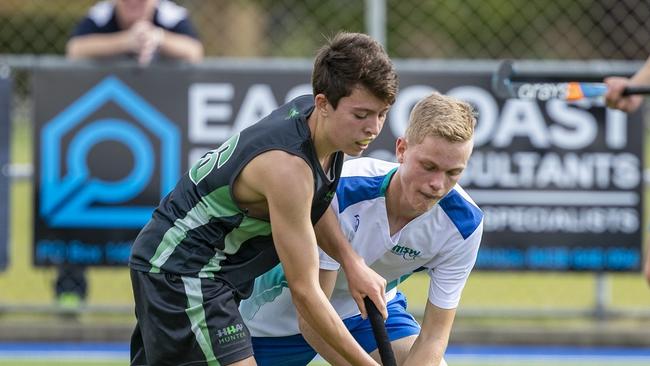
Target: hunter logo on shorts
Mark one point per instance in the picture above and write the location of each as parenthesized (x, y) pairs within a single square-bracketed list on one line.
[(231, 333), (110, 126), (405, 252)]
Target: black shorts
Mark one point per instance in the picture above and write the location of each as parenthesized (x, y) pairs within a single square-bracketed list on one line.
[(186, 321)]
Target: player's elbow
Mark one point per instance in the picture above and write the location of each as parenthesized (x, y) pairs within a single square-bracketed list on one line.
[(303, 326), (303, 294)]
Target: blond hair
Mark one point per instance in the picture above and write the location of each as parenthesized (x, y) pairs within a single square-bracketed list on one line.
[(441, 116)]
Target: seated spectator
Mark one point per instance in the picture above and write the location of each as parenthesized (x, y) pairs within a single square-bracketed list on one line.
[(144, 29)]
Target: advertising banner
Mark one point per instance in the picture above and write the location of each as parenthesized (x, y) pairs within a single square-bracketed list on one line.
[(560, 184)]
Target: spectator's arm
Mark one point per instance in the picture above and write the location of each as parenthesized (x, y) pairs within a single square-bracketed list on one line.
[(99, 45), (180, 46)]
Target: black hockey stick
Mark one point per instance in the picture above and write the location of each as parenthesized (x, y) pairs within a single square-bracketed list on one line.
[(381, 335), (506, 83)]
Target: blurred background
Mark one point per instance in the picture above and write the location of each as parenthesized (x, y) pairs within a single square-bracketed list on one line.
[(525, 308), (582, 29)]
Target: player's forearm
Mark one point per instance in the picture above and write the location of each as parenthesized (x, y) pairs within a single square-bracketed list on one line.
[(98, 45), (181, 47), (333, 242), (362, 280), (318, 343), (431, 343), (426, 352), (327, 281), (317, 312), (329, 235)]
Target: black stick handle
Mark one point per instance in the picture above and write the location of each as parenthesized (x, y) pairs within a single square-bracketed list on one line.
[(630, 90), (381, 335)]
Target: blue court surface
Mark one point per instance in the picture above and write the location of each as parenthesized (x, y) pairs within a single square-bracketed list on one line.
[(546, 355), (67, 351), (456, 354)]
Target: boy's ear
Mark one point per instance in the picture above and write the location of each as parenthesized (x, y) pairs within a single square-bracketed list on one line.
[(400, 147), (320, 101)]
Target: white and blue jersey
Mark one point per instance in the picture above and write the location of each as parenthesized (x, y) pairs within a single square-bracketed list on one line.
[(444, 242)]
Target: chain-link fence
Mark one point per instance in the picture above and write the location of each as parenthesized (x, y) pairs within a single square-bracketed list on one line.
[(441, 29), (539, 29), (435, 29)]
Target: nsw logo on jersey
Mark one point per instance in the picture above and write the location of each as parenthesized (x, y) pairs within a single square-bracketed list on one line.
[(405, 252), (357, 221)]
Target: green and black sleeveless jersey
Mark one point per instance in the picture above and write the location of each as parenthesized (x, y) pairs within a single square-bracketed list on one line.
[(199, 230)]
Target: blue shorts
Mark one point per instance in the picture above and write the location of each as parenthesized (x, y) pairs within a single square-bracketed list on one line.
[(295, 351)]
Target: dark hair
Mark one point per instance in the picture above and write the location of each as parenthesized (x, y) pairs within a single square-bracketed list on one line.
[(353, 59)]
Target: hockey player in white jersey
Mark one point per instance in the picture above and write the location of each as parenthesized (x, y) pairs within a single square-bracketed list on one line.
[(401, 218)]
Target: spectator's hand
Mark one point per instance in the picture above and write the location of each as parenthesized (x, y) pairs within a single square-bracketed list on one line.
[(362, 282), (136, 35), (614, 97), (150, 45), (145, 38)]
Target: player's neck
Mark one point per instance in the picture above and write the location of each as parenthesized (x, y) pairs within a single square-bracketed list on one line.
[(398, 211), (324, 149)]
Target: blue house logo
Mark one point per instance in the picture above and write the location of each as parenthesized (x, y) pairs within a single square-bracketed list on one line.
[(77, 199)]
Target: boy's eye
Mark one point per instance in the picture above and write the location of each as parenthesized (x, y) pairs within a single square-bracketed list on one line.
[(360, 116)]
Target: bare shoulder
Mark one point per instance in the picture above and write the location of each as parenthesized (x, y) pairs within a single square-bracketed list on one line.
[(280, 165), (270, 172), (291, 161)]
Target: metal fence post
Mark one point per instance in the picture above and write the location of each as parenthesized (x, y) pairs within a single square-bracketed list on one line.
[(602, 295), (375, 15)]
